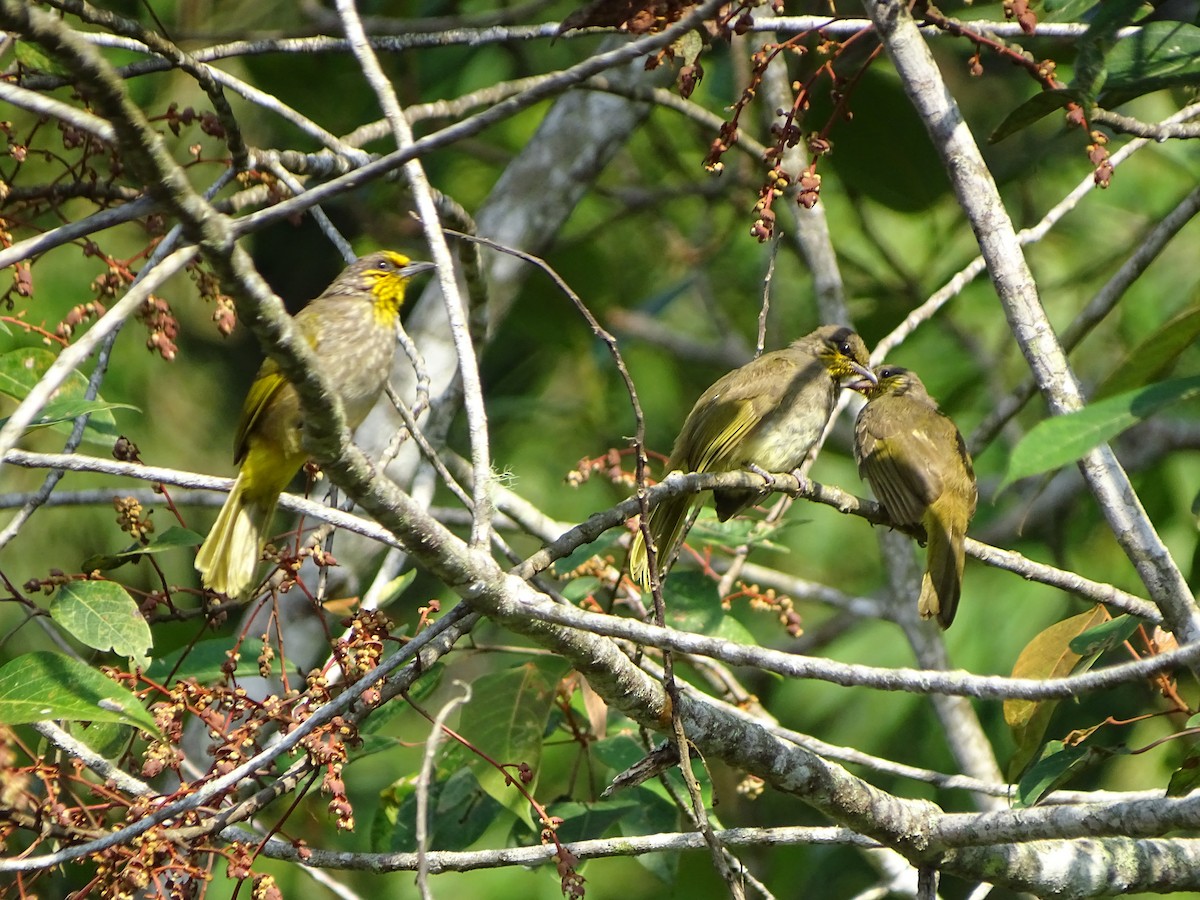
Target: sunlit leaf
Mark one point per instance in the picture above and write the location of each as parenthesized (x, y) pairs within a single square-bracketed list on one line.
[(1056, 766), (694, 605), (1160, 55), (174, 537), (204, 660), (102, 615), (44, 685), (1105, 636), (1048, 655), (506, 719), (1154, 356), (1186, 778), (22, 369), (1060, 440), (1033, 110)]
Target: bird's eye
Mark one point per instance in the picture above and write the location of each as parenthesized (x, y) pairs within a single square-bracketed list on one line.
[(845, 349)]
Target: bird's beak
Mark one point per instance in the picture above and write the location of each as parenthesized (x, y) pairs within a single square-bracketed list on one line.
[(417, 267), (866, 380)]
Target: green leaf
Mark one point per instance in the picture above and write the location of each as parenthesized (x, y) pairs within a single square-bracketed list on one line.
[(459, 813), (693, 605), (395, 588), (1068, 10), (506, 719), (1154, 357), (1186, 778), (204, 659), (1034, 109), (1105, 636), (34, 58), (21, 370), (652, 814), (42, 685), (1161, 55), (103, 616), (171, 539), (1060, 440), (1048, 655), (586, 821), (1091, 63), (1057, 765)]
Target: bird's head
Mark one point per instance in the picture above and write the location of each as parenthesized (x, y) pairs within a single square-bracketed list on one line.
[(383, 276), (842, 351), (888, 380)]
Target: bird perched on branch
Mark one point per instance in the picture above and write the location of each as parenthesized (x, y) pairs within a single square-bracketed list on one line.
[(917, 464), (351, 328), (764, 416)]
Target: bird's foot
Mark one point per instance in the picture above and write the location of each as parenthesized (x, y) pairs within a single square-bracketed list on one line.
[(803, 485), (767, 477)]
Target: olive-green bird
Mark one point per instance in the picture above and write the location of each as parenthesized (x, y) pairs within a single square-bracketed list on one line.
[(764, 416), (352, 329), (915, 460)]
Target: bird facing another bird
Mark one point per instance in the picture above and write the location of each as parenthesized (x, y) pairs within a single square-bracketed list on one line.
[(917, 464), (351, 328), (764, 416)]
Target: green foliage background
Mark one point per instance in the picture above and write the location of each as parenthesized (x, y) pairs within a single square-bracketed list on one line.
[(662, 237)]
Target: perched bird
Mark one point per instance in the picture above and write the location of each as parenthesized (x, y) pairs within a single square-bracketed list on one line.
[(352, 329), (915, 460), (765, 417)]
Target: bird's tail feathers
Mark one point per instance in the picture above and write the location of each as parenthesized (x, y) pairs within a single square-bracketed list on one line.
[(941, 585), (229, 555), (667, 523)]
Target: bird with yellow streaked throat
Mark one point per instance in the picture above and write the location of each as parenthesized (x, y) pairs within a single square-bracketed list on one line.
[(351, 328), (917, 464), (765, 416)]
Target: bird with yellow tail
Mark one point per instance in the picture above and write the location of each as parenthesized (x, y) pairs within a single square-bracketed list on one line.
[(765, 417), (351, 328), (917, 464)]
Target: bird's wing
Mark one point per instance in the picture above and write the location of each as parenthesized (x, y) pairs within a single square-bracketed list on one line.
[(900, 451), (268, 383), (730, 409)]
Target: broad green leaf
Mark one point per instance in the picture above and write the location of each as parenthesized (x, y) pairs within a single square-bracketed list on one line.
[(1048, 655), (1034, 109), (109, 739), (1068, 10), (42, 685), (171, 539), (204, 659), (395, 588), (21, 369), (1060, 440), (506, 719), (62, 410), (693, 605), (1057, 765), (1091, 63), (1186, 778), (1104, 636), (103, 616), (34, 58), (586, 821), (652, 814), (1153, 358), (459, 813), (1161, 55), (385, 715)]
